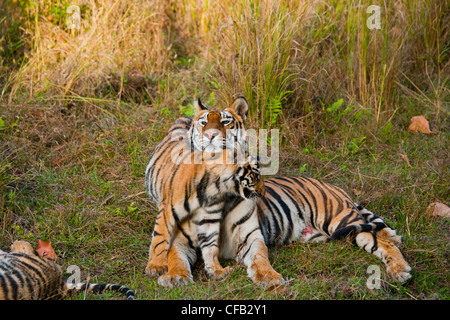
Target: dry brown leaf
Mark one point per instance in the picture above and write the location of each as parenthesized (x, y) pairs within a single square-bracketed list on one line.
[(405, 157), (419, 124), (44, 249), (438, 209)]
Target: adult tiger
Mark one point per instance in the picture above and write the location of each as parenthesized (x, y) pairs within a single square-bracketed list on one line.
[(306, 209), (292, 209), (189, 192)]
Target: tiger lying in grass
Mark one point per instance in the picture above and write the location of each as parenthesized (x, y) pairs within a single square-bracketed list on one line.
[(291, 209), (26, 276)]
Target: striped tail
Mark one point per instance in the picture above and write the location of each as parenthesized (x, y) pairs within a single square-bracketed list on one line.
[(354, 229), (97, 288)]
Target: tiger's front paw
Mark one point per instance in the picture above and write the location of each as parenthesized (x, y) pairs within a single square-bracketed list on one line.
[(156, 268), (218, 273), (268, 278), (172, 280)]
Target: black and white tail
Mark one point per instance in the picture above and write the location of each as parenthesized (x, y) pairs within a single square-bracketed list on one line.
[(70, 289)]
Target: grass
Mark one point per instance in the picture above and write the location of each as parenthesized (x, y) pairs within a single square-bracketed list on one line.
[(80, 115)]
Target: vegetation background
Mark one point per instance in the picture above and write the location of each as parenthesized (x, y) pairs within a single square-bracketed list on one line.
[(82, 109)]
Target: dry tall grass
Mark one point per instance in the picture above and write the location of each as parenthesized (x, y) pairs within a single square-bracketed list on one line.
[(299, 54), (117, 40)]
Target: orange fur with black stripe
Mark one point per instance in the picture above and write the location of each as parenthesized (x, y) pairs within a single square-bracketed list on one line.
[(26, 276), (192, 189), (306, 209)]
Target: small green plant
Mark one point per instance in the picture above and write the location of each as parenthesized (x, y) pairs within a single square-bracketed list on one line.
[(132, 207), (274, 107), (184, 62), (165, 112), (303, 168), (188, 111), (337, 111), (211, 99), (386, 131), (17, 230), (355, 145)]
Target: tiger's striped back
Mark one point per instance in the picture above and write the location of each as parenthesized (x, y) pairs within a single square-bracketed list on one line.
[(160, 160), (292, 204), (306, 209), (26, 276)]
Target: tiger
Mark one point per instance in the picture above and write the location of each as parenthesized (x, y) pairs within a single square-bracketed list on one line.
[(291, 209), (226, 129), (191, 196), (309, 210), (27, 276), (195, 210)]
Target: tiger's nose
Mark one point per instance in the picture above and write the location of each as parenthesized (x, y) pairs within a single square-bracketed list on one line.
[(210, 134)]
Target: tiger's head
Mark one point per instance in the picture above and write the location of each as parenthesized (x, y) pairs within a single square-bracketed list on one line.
[(215, 130), (251, 180)]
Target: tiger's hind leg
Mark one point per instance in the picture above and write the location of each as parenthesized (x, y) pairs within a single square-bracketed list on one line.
[(387, 251), (367, 230)]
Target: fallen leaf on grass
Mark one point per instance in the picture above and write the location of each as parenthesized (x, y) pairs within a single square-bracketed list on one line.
[(438, 209), (44, 249), (419, 124)]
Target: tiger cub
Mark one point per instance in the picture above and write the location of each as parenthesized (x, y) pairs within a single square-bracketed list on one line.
[(26, 276)]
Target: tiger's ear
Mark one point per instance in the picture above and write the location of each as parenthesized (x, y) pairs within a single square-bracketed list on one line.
[(199, 106), (240, 106)]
